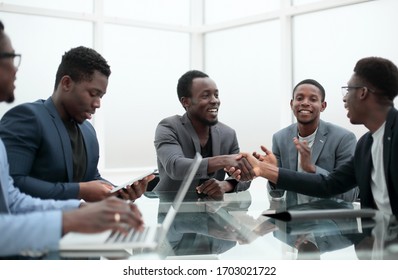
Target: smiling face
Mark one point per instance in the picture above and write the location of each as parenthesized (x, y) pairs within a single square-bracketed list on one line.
[(81, 99), (307, 104), (204, 102)]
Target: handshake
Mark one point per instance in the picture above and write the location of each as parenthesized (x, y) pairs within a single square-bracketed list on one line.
[(246, 166)]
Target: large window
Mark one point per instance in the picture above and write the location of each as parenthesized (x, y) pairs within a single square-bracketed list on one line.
[(327, 51), (250, 83), (254, 50), (142, 90)]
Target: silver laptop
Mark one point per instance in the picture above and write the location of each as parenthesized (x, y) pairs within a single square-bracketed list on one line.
[(150, 238)]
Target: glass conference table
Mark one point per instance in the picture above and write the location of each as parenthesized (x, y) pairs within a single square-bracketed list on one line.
[(235, 228)]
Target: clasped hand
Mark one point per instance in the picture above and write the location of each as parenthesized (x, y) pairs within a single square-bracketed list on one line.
[(252, 164)]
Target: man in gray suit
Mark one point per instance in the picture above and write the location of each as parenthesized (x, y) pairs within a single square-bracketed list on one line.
[(31, 226), (369, 99), (179, 138), (324, 146)]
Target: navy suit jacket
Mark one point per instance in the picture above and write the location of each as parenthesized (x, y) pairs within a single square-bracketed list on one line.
[(357, 171), (40, 152), (177, 143), (333, 146)]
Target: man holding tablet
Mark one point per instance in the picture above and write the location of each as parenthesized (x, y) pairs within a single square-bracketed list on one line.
[(52, 148)]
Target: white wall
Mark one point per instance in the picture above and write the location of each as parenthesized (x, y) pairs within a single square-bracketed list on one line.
[(254, 50), (245, 63), (329, 49)]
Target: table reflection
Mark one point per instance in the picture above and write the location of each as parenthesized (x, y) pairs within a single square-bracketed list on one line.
[(207, 227), (372, 238)]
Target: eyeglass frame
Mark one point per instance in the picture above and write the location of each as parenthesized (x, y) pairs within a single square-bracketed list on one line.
[(16, 62), (346, 89)]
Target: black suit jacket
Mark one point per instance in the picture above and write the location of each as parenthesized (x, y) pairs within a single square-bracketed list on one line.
[(357, 171)]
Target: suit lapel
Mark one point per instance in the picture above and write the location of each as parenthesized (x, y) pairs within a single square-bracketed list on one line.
[(387, 143), (319, 142), (292, 148), (215, 140), (364, 169), (63, 136), (86, 134), (194, 136), (388, 131)]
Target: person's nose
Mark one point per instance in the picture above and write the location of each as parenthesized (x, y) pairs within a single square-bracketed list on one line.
[(97, 102), (214, 99), (305, 102)]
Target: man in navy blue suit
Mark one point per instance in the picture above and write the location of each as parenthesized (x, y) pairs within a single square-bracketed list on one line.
[(52, 148)]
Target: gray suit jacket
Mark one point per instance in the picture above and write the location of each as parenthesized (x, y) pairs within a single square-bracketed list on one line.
[(28, 225), (176, 144), (333, 146)]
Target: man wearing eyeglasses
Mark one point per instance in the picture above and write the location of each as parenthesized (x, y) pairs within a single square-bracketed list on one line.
[(31, 226), (369, 100), (9, 63)]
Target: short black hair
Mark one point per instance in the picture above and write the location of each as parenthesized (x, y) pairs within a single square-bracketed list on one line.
[(80, 63), (184, 85), (314, 83), (380, 73)]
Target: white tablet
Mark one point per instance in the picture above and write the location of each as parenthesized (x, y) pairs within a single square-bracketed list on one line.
[(142, 176)]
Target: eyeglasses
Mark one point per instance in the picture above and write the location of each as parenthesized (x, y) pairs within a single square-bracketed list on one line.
[(346, 89), (16, 58)]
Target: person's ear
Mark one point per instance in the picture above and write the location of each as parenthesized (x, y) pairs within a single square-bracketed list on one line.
[(66, 83), (364, 93), (324, 104), (186, 102)]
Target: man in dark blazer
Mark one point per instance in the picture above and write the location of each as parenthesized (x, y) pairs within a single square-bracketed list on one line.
[(324, 146), (369, 100), (52, 149), (31, 227), (179, 138)]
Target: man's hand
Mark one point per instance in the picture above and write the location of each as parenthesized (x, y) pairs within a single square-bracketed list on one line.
[(242, 170), (214, 188), (111, 213), (305, 155), (94, 190), (265, 168), (135, 190), (246, 170), (269, 157), (228, 161), (253, 160)]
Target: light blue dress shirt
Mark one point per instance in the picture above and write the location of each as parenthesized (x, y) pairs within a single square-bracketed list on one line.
[(28, 226)]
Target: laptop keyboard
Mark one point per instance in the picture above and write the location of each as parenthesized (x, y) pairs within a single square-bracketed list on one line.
[(132, 236)]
